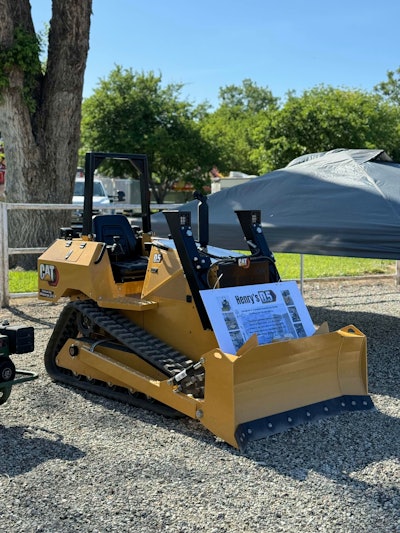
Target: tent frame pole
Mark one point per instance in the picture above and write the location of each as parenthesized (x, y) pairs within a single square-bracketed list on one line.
[(302, 274)]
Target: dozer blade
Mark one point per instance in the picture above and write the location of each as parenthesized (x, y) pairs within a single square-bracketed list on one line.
[(270, 388)]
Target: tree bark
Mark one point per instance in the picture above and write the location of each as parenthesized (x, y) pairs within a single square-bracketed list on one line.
[(42, 140)]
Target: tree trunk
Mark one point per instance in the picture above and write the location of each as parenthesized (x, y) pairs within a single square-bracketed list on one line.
[(40, 115)]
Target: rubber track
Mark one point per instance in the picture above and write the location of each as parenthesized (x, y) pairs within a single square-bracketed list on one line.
[(111, 321), (65, 328), (149, 348)]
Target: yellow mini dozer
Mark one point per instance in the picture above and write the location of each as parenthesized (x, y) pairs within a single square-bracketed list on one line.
[(181, 327)]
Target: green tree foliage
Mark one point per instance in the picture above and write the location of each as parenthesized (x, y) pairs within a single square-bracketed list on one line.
[(325, 118), (390, 89), (132, 112), (248, 97), (231, 127), (251, 130), (23, 54)]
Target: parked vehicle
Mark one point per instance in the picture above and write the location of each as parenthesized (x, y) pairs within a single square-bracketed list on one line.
[(100, 198)]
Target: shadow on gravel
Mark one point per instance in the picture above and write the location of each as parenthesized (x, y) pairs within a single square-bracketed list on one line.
[(344, 442), (346, 461), (333, 447), (24, 448), (31, 316), (343, 450), (383, 344)]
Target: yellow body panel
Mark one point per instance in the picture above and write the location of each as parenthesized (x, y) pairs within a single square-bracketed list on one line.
[(73, 267)]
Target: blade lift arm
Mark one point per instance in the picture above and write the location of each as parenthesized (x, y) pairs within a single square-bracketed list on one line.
[(195, 264), (250, 222), (194, 257)]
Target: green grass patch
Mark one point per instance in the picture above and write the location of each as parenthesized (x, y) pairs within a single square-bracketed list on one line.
[(315, 266), (320, 266), (22, 281)]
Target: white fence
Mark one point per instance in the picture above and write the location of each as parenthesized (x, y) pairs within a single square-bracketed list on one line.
[(5, 251)]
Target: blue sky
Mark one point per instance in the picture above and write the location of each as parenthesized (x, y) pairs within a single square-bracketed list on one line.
[(208, 44)]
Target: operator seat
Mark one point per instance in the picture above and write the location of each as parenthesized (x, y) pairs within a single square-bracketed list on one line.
[(116, 232)]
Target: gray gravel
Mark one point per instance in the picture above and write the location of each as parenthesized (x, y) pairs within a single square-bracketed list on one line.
[(72, 461)]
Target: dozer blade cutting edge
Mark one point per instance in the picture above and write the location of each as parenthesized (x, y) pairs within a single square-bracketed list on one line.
[(183, 327)]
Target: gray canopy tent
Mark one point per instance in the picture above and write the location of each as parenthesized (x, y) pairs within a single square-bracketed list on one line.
[(341, 202)]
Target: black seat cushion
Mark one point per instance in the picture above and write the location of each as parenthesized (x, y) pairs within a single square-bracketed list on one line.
[(130, 270)]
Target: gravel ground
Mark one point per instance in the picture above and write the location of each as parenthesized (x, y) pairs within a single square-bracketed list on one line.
[(72, 461)]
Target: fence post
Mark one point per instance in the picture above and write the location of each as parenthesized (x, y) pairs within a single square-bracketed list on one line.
[(4, 294)]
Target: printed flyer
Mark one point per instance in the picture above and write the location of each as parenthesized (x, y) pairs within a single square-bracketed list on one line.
[(274, 311)]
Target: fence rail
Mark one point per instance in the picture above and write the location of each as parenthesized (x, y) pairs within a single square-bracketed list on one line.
[(6, 251)]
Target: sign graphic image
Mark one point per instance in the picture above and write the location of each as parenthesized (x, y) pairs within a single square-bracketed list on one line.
[(274, 311)]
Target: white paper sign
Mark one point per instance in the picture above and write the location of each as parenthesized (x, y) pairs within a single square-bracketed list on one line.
[(274, 311)]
